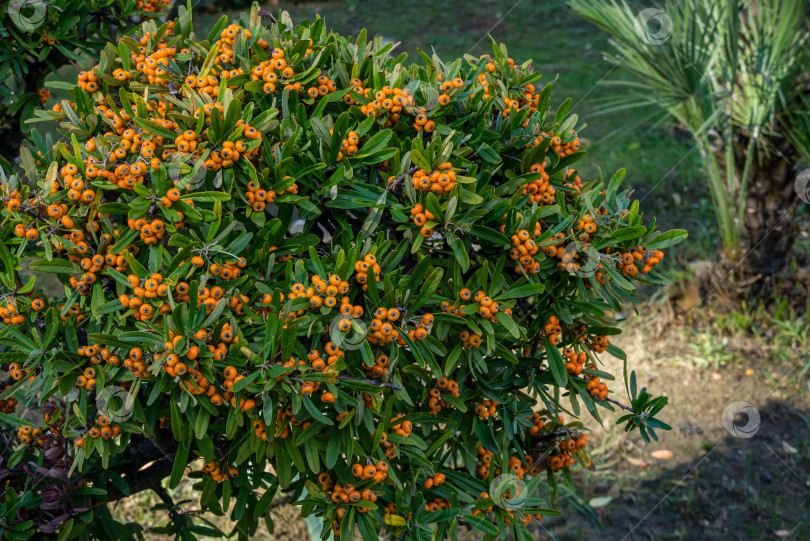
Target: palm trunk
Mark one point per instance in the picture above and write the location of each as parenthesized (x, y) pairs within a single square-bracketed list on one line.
[(769, 223)]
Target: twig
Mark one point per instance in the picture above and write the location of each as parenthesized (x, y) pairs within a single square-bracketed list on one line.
[(631, 410), (371, 382), (163, 494), (395, 184), (18, 283)]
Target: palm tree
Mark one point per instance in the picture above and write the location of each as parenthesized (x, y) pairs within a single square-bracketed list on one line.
[(735, 75)]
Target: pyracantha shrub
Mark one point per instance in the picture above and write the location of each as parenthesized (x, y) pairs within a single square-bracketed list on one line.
[(38, 37), (293, 263)]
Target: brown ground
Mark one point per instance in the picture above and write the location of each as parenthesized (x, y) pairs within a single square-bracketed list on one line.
[(715, 486)]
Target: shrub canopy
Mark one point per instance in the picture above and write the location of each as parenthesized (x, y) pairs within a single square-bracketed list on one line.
[(38, 37), (295, 263)]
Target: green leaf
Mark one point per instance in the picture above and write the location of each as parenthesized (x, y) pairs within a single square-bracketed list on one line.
[(520, 292), (488, 154), (434, 206), (316, 414), (180, 462), (207, 196), (264, 502), (562, 110), (556, 363), (28, 164), (154, 128), (459, 252), (482, 524), (124, 241), (133, 337), (489, 235), (509, 324), (377, 142), (13, 420), (621, 235), (665, 240), (59, 266)]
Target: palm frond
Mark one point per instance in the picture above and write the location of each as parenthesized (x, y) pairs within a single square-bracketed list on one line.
[(729, 67)]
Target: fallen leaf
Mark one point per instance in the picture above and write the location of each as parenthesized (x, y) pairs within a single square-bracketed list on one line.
[(788, 448), (640, 462), (662, 454), (600, 502), (716, 376)]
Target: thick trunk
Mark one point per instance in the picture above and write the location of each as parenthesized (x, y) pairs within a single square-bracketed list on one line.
[(770, 226)]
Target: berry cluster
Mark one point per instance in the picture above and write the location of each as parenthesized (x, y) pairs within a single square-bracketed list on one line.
[(214, 470), (539, 190), (8, 405), (553, 330), (435, 402), (152, 6), (327, 292), (104, 430), (45, 38), (325, 86), (349, 145), (98, 354), (574, 444), (646, 259), (275, 69), (421, 216), (491, 67), (9, 315), (436, 481), (485, 458), (348, 493), (28, 435), (145, 293), (388, 103), (559, 461), (378, 473), (563, 147), (470, 340), (439, 181), (574, 182), (486, 409), (87, 379), (43, 94), (136, 363), (402, 428), (596, 388), (523, 252), (574, 362), (537, 424), (259, 198), (380, 368), (362, 268)]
